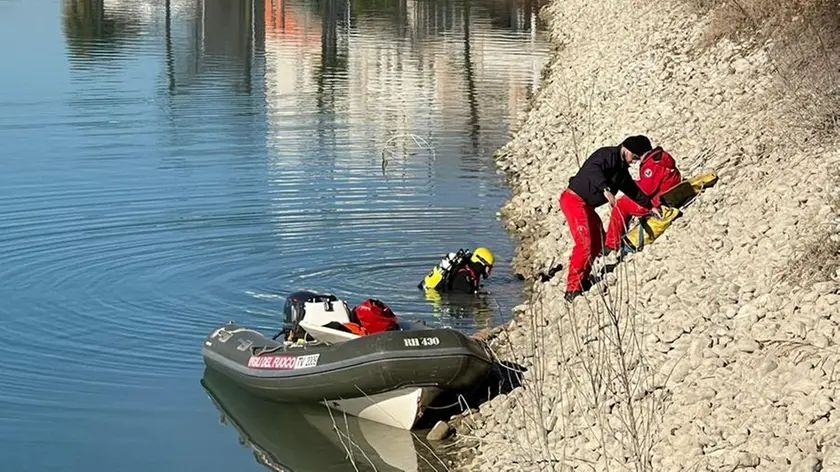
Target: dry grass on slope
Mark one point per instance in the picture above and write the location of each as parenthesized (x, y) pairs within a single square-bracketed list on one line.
[(819, 257), (803, 41)]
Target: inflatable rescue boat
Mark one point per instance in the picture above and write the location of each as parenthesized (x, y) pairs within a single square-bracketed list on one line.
[(388, 377)]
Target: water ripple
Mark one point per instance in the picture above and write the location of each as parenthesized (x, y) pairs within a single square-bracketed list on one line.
[(166, 173)]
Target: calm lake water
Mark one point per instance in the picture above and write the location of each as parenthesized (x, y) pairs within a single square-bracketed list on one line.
[(169, 166)]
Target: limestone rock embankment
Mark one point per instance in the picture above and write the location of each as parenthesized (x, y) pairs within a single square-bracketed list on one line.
[(726, 362)]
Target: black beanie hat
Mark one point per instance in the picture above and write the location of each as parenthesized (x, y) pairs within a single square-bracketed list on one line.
[(638, 145)]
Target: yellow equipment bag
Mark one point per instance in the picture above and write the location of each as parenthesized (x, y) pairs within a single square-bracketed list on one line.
[(648, 229), (683, 192), (699, 182)]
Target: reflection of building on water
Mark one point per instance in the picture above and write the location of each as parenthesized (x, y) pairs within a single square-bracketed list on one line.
[(214, 38), (211, 74), (464, 80), (290, 23), (363, 67), (517, 15), (228, 30), (201, 37), (293, 50), (427, 17)]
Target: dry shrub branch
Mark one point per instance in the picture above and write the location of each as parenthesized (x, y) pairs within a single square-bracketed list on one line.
[(587, 376)]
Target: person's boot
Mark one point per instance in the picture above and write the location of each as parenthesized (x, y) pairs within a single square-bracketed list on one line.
[(605, 251), (570, 296)]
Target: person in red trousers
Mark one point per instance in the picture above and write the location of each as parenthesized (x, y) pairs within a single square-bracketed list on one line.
[(657, 174), (603, 173)]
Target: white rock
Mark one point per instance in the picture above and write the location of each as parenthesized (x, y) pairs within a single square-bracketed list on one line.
[(439, 432), (679, 373), (808, 464), (766, 366), (747, 345), (831, 458)]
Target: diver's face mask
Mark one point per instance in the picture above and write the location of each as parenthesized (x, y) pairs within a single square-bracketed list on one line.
[(487, 267)]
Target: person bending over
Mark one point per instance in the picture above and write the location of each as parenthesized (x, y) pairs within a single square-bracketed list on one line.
[(604, 173)]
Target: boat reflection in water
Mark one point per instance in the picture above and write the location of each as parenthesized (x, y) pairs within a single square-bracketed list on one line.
[(303, 437)]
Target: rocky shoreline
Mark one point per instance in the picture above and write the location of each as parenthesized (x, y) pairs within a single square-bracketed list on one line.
[(715, 348)]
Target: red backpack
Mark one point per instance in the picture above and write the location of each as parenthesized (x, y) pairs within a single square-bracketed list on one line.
[(375, 316), (657, 174)]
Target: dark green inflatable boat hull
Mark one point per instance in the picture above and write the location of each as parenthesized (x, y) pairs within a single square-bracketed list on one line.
[(377, 363)]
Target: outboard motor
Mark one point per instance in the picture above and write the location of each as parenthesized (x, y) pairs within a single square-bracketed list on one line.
[(295, 311)]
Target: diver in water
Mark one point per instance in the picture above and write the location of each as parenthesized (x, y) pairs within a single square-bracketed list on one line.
[(467, 278), (460, 272)]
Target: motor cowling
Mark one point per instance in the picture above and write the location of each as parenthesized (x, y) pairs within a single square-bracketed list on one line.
[(324, 307)]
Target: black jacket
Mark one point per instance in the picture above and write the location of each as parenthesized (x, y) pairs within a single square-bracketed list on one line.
[(605, 169), (466, 279)]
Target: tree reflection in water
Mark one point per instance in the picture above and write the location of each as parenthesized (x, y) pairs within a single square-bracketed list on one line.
[(91, 31)]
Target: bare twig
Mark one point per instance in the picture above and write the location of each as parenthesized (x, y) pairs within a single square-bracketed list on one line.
[(389, 149)]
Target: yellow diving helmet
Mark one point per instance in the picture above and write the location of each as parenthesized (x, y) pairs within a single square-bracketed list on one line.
[(484, 257)]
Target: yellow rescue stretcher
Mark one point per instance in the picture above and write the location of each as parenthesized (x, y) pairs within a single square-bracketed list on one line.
[(650, 227)]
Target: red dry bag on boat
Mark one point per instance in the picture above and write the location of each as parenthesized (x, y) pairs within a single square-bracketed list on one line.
[(375, 316)]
